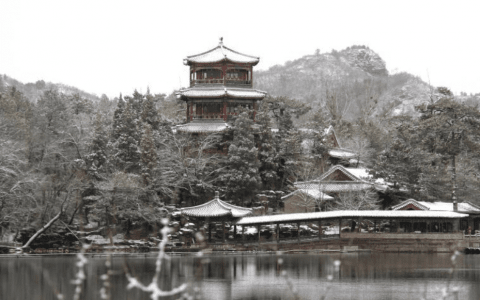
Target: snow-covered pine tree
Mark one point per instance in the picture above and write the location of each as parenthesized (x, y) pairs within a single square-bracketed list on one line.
[(148, 155), (149, 112), (136, 101), (241, 178), (96, 159), (288, 147), (117, 118), (266, 151), (127, 152)]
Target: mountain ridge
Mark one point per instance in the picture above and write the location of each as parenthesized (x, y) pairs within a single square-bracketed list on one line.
[(33, 91)]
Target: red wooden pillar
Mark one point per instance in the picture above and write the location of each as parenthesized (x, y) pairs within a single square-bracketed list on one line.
[(188, 111), (298, 235), (340, 227), (278, 233), (225, 111), (243, 234), (191, 111), (251, 75), (223, 231), (320, 229), (224, 73), (258, 229)]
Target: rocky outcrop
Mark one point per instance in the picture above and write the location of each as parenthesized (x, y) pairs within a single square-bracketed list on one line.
[(365, 59)]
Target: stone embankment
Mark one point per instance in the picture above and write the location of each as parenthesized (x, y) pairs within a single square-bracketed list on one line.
[(419, 243), (348, 242)]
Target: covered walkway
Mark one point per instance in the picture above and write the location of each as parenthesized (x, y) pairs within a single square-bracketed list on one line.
[(396, 221)]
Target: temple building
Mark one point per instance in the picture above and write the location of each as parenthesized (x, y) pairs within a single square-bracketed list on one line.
[(471, 223), (220, 83)]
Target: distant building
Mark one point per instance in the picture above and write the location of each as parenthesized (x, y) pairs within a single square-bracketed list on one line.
[(472, 222), (412, 204), (304, 200), (338, 179)]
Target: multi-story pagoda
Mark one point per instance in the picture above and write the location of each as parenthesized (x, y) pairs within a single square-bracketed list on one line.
[(220, 83)]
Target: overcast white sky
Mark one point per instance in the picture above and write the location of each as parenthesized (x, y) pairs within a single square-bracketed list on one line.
[(118, 46)]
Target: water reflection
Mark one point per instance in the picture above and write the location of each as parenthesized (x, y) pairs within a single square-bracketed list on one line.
[(360, 276)]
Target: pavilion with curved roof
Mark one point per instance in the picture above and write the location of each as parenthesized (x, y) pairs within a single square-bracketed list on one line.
[(215, 211)]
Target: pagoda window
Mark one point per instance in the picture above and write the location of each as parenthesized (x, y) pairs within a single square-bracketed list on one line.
[(236, 108), (208, 111), (240, 76), (212, 108), (208, 76)]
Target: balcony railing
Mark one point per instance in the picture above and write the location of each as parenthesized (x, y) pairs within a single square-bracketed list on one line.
[(210, 116), (221, 81), (208, 81)]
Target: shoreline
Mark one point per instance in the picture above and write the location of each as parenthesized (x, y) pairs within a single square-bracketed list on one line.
[(348, 243)]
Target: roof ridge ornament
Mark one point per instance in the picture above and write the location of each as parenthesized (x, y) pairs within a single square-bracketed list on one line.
[(221, 48), (217, 196)]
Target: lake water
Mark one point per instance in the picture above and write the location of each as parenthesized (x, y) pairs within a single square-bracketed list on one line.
[(250, 276)]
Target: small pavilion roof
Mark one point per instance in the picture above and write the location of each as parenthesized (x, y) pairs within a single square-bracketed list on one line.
[(221, 53), (216, 208), (328, 215)]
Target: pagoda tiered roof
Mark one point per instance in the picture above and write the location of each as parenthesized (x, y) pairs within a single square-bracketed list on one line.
[(221, 91), (221, 53), (216, 208)]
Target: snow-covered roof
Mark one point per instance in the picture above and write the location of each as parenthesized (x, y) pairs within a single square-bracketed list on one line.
[(335, 186), (221, 91), (364, 174), (216, 208), (203, 126), (436, 206), (330, 130), (384, 214), (360, 180), (341, 169), (341, 153), (221, 53), (312, 192)]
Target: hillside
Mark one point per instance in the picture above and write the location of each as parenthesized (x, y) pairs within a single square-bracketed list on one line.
[(33, 91), (355, 74)]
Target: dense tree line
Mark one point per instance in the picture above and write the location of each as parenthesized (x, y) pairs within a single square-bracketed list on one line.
[(118, 161)]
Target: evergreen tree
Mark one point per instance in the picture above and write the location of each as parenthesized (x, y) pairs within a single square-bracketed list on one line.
[(266, 151), (117, 118), (96, 159), (149, 113), (241, 179), (448, 128), (289, 154), (136, 101), (126, 147), (148, 155)]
